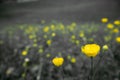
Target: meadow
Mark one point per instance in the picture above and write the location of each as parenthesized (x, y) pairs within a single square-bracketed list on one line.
[(57, 51)]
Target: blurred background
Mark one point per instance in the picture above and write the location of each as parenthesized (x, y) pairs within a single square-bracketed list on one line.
[(66, 11), (33, 32)]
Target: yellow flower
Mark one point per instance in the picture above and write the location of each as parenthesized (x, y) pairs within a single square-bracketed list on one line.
[(81, 34), (53, 34), (91, 50), (110, 26), (105, 47), (73, 24), (117, 22), (69, 57), (77, 42), (24, 52), (58, 61), (116, 30), (46, 29), (52, 27), (73, 37), (48, 55), (48, 42), (41, 50), (118, 39), (61, 27), (35, 45), (104, 20), (73, 60), (32, 36)]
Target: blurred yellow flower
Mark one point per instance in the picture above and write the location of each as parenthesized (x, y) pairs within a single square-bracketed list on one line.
[(73, 24), (58, 61), (81, 34), (69, 57), (73, 37), (35, 44), (118, 39), (116, 30), (52, 27), (53, 34), (32, 36), (73, 60), (46, 29), (61, 27), (110, 26), (24, 52), (41, 50), (104, 20), (48, 42), (117, 22), (90, 50), (77, 42), (105, 47), (48, 55)]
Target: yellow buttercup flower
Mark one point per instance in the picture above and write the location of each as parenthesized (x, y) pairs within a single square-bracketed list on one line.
[(118, 39), (104, 20), (116, 30), (81, 34), (69, 57), (49, 42), (32, 36), (110, 26), (77, 42), (73, 24), (58, 61), (48, 55), (105, 47), (52, 27), (73, 37), (53, 34), (73, 60), (24, 52), (41, 50), (62, 27), (90, 50), (117, 22), (46, 29)]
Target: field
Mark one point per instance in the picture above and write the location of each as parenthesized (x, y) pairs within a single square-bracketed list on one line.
[(57, 51)]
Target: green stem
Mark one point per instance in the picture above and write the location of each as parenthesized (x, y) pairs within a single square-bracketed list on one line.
[(62, 73), (92, 69)]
